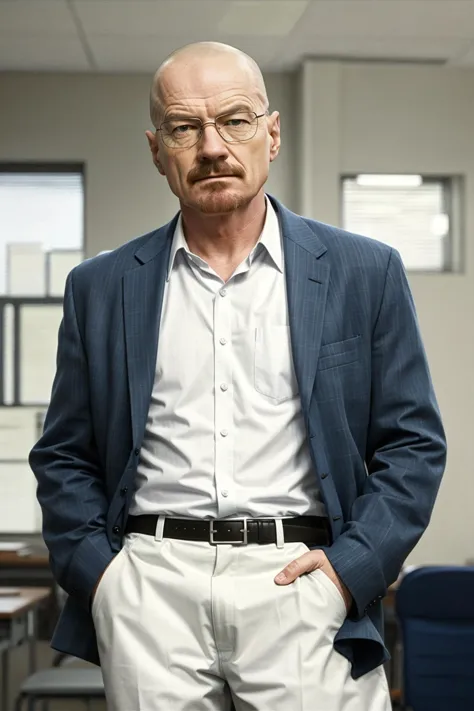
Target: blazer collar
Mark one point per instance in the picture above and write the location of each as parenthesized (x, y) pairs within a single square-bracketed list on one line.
[(294, 228)]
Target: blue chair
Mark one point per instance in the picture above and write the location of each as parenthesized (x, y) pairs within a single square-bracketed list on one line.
[(435, 608)]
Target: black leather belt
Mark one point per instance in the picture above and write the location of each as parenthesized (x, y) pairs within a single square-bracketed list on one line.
[(312, 530)]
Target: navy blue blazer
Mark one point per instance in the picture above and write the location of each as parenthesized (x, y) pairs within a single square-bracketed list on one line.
[(375, 433)]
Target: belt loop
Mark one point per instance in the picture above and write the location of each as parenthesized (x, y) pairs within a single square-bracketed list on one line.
[(160, 524), (280, 534)]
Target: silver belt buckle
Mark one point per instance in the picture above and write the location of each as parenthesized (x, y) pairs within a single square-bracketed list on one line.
[(215, 542)]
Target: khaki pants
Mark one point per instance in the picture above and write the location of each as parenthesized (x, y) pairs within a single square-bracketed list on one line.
[(176, 620)]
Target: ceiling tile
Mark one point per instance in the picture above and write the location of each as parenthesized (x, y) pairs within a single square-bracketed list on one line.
[(390, 18), (59, 54), (262, 49), (145, 18), (132, 54), (262, 17), (38, 16), (139, 54), (381, 48), (135, 35), (466, 58)]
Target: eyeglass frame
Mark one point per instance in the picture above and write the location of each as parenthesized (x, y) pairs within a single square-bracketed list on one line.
[(213, 123)]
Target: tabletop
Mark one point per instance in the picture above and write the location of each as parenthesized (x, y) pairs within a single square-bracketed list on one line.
[(35, 557), (15, 605)]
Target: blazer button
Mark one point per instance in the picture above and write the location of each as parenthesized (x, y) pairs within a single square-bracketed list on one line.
[(323, 476), (116, 529), (336, 518), (124, 490), (136, 452)]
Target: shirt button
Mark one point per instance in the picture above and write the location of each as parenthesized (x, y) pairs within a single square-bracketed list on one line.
[(222, 341), (225, 493), (224, 433), (224, 387), (223, 292)]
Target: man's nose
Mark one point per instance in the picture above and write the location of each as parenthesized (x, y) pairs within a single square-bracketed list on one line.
[(211, 145)]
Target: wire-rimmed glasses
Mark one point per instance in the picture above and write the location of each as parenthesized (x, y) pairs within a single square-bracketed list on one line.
[(233, 128)]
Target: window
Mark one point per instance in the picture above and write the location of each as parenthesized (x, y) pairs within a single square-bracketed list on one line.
[(41, 240), (419, 216), (41, 228)]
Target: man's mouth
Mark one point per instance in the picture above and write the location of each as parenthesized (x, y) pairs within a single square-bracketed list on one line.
[(214, 177)]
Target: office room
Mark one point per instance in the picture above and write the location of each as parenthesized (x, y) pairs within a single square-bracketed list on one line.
[(313, 162)]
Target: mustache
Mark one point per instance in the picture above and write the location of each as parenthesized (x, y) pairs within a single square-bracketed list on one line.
[(214, 169)]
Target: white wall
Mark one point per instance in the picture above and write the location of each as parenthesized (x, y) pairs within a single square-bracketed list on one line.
[(398, 118), (337, 118), (101, 120), (422, 120)]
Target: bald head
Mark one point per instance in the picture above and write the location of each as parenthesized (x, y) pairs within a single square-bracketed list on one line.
[(197, 58)]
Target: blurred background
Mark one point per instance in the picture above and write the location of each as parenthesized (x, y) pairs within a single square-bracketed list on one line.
[(377, 110)]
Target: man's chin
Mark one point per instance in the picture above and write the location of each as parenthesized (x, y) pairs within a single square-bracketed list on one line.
[(219, 202)]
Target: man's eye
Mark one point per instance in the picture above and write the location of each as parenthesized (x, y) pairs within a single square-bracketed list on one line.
[(183, 128), (236, 122)]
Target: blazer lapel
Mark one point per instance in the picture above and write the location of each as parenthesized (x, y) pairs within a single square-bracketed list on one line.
[(307, 280), (143, 288)]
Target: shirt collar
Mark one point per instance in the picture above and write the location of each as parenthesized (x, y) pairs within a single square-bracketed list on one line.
[(270, 239)]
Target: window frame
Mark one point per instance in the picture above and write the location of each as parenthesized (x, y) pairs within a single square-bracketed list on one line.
[(453, 204), (19, 167), (54, 167)]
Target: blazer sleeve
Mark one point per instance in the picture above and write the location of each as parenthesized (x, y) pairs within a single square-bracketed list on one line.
[(66, 465), (406, 452)]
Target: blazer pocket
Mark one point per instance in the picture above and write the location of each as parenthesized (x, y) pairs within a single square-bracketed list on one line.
[(333, 355)]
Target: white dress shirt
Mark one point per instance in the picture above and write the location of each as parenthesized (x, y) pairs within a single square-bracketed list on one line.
[(225, 436)]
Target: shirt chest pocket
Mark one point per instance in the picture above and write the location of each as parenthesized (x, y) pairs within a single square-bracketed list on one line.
[(274, 374)]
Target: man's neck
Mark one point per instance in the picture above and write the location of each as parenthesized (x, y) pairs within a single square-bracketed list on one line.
[(225, 238)]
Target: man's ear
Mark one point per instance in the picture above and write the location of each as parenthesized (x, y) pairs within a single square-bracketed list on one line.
[(153, 144), (275, 135)]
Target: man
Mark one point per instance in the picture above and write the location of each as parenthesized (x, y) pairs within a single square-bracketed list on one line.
[(243, 443)]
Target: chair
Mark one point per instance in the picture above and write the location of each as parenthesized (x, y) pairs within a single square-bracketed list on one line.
[(59, 683), (435, 607)]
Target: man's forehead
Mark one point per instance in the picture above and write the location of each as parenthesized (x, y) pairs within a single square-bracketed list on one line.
[(214, 96), (204, 79), (206, 82)]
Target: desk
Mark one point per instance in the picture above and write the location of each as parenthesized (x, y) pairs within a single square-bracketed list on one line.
[(34, 564), (38, 558), (32, 571), (18, 625)]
